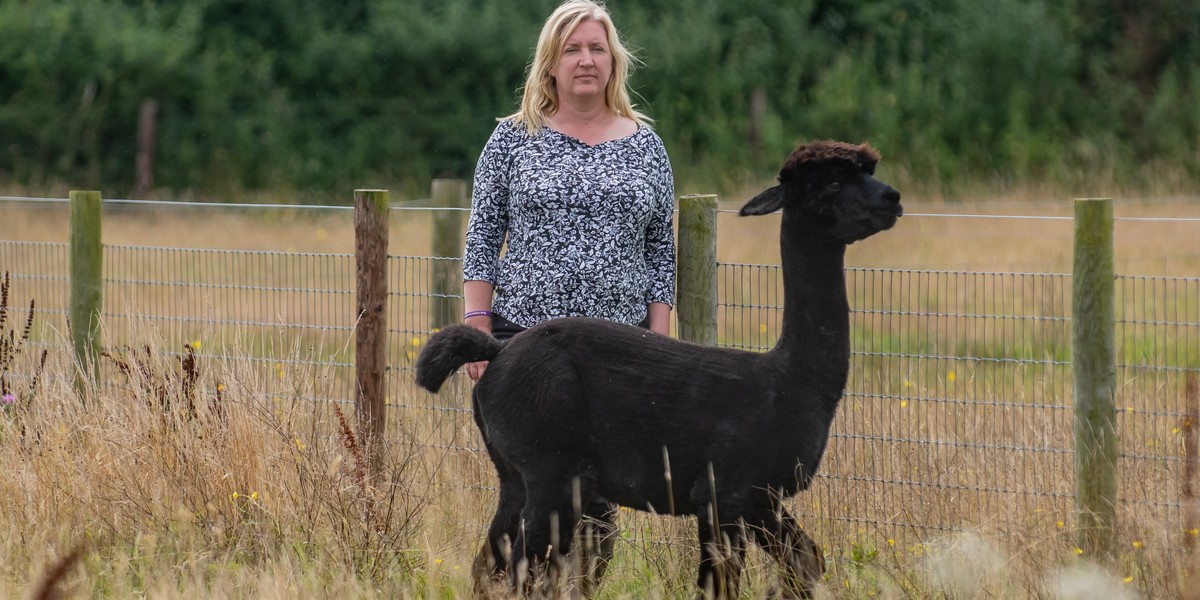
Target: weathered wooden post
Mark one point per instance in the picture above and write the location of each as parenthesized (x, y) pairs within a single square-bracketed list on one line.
[(449, 196), (1093, 351), (87, 271), (370, 332), (696, 273)]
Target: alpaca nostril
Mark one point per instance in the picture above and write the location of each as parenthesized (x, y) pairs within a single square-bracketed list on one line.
[(892, 195)]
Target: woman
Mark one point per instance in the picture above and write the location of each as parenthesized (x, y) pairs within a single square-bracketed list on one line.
[(582, 189)]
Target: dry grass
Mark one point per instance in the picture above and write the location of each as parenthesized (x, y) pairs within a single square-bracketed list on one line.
[(246, 487), (183, 479), (255, 494)]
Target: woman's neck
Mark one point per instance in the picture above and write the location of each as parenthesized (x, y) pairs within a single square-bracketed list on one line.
[(591, 125)]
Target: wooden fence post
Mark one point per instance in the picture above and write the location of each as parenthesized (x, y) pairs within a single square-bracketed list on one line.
[(696, 296), (370, 332), (1093, 351), (87, 271), (445, 307)]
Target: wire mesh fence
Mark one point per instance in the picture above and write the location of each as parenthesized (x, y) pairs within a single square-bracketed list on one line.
[(957, 416)]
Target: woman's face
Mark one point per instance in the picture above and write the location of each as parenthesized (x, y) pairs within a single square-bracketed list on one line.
[(586, 63)]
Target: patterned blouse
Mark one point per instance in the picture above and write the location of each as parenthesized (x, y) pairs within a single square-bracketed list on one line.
[(589, 227)]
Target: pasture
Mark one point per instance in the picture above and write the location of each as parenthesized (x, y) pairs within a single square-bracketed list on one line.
[(231, 475)]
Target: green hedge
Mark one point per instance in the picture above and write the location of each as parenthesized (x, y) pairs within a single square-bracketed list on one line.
[(324, 95)]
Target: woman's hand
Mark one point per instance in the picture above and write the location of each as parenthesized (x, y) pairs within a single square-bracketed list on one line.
[(475, 369)]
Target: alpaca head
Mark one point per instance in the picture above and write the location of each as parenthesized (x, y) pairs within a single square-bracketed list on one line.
[(831, 188)]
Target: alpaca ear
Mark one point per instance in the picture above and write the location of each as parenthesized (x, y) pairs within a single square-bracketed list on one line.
[(766, 202)]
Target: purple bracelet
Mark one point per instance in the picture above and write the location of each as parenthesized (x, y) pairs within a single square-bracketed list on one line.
[(477, 313)]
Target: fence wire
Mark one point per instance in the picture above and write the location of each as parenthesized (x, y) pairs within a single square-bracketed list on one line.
[(957, 415)]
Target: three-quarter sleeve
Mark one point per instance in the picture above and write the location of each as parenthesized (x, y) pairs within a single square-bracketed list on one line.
[(660, 234), (489, 208)]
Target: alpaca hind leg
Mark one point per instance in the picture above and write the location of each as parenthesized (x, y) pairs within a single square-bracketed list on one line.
[(548, 523), (492, 562), (803, 562)]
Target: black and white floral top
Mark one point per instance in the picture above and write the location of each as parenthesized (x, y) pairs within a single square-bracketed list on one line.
[(589, 227)]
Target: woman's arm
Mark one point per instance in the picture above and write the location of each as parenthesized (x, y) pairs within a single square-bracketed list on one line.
[(660, 247), (477, 296), (659, 318)]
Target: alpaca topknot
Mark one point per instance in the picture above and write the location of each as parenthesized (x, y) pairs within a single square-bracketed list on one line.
[(863, 156)]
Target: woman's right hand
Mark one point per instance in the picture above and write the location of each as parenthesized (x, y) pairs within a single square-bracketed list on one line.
[(475, 369)]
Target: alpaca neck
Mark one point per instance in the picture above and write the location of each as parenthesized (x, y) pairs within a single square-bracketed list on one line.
[(815, 337)]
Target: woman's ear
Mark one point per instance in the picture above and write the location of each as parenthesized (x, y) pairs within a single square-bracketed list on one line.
[(769, 201)]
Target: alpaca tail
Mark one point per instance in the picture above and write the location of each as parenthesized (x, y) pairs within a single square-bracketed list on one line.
[(450, 349)]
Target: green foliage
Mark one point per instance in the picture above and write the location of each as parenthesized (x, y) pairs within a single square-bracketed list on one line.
[(316, 95)]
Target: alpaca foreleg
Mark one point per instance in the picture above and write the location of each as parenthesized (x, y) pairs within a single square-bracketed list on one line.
[(597, 540), (722, 554), (802, 560)]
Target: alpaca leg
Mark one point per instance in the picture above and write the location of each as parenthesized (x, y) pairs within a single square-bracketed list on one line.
[(597, 539), (492, 561), (780, 535), (722, 553), (549, 520)]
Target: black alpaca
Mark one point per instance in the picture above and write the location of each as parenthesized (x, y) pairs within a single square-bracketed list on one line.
[(576, 410)]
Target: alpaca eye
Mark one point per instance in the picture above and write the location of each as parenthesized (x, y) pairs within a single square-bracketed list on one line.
[(834, 186)]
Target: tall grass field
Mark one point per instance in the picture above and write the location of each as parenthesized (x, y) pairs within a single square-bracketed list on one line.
[(215, 457)]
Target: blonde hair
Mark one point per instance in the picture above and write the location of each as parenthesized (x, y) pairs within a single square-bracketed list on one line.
[(540, 98)]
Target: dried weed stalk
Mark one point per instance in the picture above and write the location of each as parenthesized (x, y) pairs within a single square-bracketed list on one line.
[(170, 389), (11, 347)]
